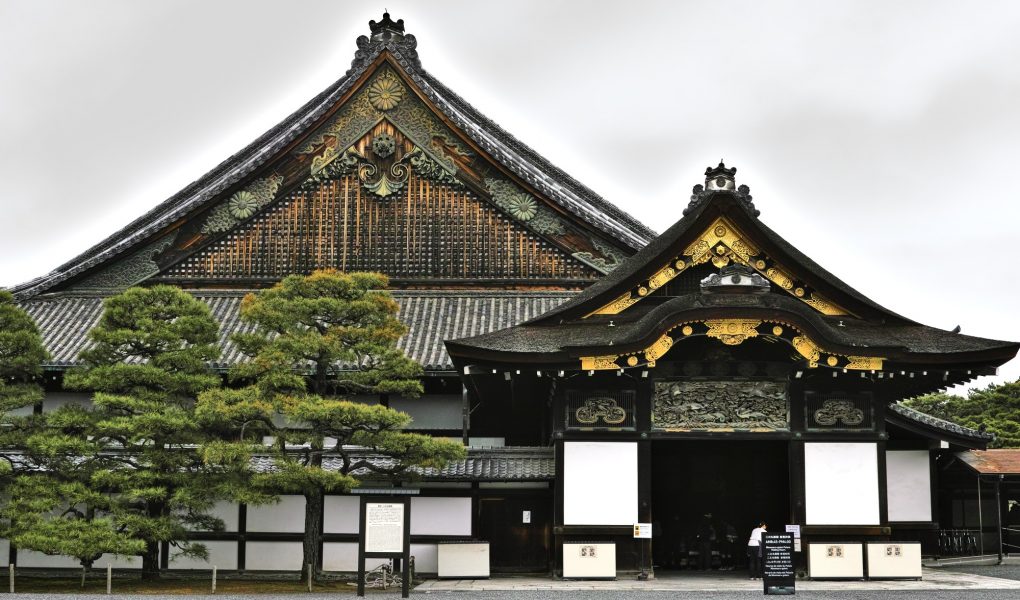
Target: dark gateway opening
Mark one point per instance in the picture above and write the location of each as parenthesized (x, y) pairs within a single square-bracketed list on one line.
[(737, 482)]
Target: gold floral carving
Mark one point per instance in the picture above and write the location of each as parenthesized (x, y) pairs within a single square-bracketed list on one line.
[(807, 349), (599, 363), (723, 243), (824, 306), (865, 363), (779, 278), (732, 331), (616, 306), (661, 278), (660, 347), (385, 92)]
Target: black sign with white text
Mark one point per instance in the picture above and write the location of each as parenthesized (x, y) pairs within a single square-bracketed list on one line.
[(778, 573)]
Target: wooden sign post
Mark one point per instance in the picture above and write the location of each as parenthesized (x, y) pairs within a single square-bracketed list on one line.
[(778, 573), (385, 533)]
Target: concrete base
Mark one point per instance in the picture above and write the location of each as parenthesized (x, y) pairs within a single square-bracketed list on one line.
[(934, 579)]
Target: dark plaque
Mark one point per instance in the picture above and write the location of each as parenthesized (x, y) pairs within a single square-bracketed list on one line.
[(778, 574)]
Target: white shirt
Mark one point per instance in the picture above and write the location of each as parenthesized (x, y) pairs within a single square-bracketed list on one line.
[(755, 537)]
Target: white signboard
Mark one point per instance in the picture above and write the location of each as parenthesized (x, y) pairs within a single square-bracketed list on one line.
[(384, 527), (643, 530), (600, 483), (841, 483)]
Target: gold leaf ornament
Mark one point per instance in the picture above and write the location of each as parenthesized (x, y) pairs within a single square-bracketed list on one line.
[(386, 92)]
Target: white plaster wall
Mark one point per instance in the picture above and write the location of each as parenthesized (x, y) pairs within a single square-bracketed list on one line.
[(31, 558), (841, 483), (908, 485), (600, 483), (341, 514), (286, 516), (440, 516), (118, 562), (222, 555), (426, 558), (228, 512), (343, 556), (273, 556)]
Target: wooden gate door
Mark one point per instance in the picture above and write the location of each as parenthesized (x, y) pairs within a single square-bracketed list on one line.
[(516, 546)]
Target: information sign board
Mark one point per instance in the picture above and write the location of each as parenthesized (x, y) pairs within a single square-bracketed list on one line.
[(385, 533), (384, 527), (778, 573)]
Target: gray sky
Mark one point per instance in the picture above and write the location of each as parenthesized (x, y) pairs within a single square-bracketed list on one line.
[(878, 137)]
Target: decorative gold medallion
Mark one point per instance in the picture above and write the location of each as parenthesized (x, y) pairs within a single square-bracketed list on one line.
[(687, 330), (732, 331), (385, 92)]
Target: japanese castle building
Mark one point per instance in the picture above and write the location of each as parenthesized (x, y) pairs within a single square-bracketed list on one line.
[(601, 374)]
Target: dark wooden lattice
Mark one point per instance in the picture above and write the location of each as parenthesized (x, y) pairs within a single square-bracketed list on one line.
[(427, 230)]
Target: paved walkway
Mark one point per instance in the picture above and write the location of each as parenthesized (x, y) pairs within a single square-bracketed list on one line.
[(933, 579)]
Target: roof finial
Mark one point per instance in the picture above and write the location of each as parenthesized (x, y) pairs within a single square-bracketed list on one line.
[(386, 29), (720, 178)]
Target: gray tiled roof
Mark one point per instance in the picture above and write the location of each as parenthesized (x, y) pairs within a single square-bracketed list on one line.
[(432, 316), (517, 463), (514, 463), (937, 424)]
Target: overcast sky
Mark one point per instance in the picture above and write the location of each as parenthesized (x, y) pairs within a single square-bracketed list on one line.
[(881, 138)]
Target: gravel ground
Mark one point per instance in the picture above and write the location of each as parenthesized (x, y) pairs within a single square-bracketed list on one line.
[(574, 595), (1005, 571)]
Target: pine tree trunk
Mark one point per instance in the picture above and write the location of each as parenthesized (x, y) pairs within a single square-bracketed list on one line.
[(313, 533), (150, 560)]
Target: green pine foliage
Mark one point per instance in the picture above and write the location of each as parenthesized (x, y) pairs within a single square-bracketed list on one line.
[(995, 408), (21, 358), (317, 341), (147, 364)]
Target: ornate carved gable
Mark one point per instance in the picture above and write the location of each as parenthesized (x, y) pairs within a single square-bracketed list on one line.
[(465, 185), (720, 244), (386, 185), (384, 204)]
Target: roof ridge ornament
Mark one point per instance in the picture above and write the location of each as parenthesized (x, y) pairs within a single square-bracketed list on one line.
[(735, 278), (387, 34), (721, 179)]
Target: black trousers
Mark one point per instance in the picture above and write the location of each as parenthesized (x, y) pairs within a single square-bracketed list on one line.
[(754, 560)]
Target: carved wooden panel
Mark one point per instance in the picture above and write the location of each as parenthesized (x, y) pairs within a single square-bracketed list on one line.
[(600, 409), (835, 411), (720, 405), (425, 230)]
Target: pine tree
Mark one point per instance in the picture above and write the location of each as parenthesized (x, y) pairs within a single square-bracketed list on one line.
[(146, 366), (21, 357), (318, 339), (995, 408)]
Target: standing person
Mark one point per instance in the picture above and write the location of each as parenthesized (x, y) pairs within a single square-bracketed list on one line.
[(706, 539), (754, 550)]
